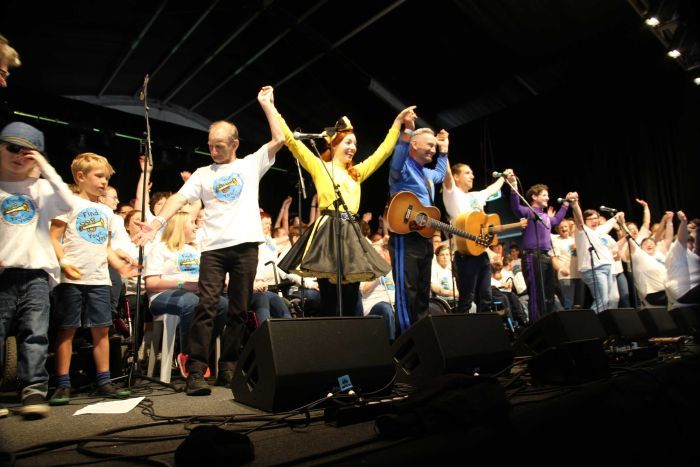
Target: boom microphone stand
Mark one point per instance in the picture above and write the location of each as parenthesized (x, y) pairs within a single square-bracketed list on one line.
[(301, 194), (134, 371), (338, 202)]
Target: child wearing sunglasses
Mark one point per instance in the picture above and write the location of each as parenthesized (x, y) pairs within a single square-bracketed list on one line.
[(28, 265)]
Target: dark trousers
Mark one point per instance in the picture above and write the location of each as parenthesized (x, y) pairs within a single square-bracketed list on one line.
[(474, 282), (329, 298), (240, 262), (531, 272), (411, 260)]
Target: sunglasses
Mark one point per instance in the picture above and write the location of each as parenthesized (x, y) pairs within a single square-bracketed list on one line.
[(14, 149)]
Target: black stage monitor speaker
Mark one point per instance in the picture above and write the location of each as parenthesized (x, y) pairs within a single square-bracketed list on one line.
[(559, 327), (687, 318), (452, 343), (658, 322), (288, 363), (567, 347), (623, 323)]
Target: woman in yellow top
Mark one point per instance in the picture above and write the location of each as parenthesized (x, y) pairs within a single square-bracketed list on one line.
[(315, 254)]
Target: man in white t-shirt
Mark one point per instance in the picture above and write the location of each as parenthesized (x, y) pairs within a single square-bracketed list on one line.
[(473, 272), (596, 272), (232, 228), (682, 267)]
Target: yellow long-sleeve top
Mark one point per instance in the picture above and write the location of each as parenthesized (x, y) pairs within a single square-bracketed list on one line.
[(349, 187)]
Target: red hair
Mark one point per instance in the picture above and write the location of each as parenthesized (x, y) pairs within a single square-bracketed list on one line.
[(327, 155)]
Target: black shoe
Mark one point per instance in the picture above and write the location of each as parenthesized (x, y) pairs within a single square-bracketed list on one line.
[(110, 390), (60, 397), (196, 385), (224, 378), (34, 407)]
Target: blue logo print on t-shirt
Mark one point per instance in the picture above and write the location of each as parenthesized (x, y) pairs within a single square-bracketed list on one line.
[(91, 224), (188, 262), (228, 188), (18, 209)]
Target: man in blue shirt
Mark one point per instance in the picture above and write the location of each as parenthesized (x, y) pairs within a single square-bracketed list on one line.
[(412, 254)]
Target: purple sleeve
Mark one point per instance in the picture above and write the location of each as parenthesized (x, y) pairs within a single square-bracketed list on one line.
[(516, 207), (560, 215)]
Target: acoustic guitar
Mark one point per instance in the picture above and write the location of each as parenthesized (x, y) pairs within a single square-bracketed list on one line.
[(475, 231)]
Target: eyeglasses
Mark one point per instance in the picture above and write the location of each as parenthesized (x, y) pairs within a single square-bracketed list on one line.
[(13, 148)]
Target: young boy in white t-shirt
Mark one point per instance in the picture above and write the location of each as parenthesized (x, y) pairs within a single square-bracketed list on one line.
[(28, 265), (81, 240)]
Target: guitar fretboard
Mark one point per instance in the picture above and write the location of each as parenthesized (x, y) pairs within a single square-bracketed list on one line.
[(451, 229)]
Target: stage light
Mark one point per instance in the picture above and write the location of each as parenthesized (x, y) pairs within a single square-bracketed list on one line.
[(674, 53), (696, 80), (652, 21)]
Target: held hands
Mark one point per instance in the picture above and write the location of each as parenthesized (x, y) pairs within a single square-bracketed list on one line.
[(510, 176), (443, 141), (408, 117), (266, 96), (185, 175), (573, 195), (682, 217)]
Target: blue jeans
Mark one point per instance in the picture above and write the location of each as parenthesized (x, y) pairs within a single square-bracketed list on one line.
[(268, 305), (386, 311), (568, 292), (623, 289), (182, 303), (24, 306), (603, 284)]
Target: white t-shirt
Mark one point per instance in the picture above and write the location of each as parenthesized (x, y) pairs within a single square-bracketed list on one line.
[(442, 277), (230, 196), (383, 291), (180, 265), (27, 209), (649, 272), (682, 272), (119, 237), (458, 202), (565, 250), (85, 241), (613, 247), (584, 256)]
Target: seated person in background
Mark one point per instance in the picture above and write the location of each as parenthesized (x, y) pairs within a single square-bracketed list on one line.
[(378, 296), (441, 283), (172, 275)]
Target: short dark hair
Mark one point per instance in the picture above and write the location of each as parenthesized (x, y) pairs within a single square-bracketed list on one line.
[(536, 190)]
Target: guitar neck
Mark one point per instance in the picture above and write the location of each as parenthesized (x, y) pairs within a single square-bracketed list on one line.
[(501, 228), (451, 229)]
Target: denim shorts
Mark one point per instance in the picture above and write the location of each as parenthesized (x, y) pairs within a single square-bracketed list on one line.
[(79, 305)]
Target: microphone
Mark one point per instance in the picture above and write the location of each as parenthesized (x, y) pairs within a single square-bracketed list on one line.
[(302, 136), (498, 174), (570, 200), (607, 209), (144, 88)]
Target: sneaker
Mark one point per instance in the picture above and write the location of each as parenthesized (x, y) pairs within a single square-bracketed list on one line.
[(181, 362), (110, 390), (34, 407), (196, 385), (60, 397), (224, 378)]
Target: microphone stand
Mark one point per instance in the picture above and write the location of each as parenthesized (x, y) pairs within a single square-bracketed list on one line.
[(134, 371), (630, 240), (338, 202), (591, 250), (453, 265), (538, 218), (301, 194)]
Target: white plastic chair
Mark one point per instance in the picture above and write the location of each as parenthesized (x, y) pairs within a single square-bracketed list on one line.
[(164, 329)]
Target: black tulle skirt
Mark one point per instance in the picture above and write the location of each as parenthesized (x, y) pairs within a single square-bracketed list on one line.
[(313, 255)]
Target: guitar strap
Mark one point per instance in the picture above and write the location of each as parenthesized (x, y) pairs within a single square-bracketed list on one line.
[(430, 189)]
